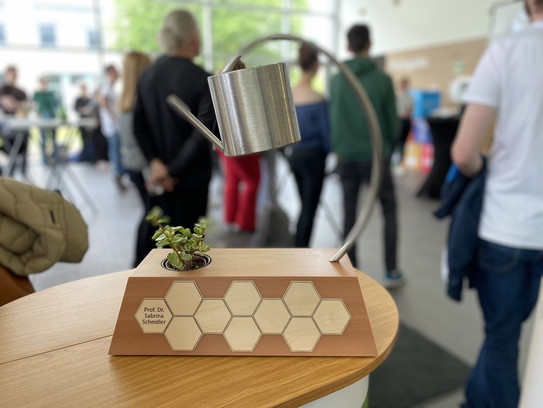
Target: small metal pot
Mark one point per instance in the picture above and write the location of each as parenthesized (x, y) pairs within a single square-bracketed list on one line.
[(205, 258)]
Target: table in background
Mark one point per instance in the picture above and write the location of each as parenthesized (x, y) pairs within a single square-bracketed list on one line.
[(59, 167), (54, 352)]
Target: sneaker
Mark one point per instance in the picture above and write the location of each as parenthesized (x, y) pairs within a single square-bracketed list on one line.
[(394, 279)]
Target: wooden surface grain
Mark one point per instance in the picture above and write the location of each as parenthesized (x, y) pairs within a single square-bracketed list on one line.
[(61, 316), (54, 352)]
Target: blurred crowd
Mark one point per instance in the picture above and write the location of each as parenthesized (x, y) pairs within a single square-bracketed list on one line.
[(132, 132), (147, 145)]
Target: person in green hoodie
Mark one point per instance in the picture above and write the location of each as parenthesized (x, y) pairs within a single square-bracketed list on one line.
[(350, 139), (46, 104)]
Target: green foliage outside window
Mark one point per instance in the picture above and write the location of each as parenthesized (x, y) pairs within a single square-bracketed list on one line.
[(137, 22)]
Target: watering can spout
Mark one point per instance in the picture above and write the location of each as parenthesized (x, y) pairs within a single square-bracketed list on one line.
[(184, 110)]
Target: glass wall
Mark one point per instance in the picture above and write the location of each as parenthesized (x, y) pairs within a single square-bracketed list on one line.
[(228, 25), (2, 34)]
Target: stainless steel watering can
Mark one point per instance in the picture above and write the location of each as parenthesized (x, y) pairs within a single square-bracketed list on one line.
[(254, 109)]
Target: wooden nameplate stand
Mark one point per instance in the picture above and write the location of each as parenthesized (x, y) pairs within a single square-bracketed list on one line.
[(246, 302)]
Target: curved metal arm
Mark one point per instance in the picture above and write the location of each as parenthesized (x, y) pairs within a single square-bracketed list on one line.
[(375, 133)]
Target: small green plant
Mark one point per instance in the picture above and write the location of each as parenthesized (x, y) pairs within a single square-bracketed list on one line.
[(184, 242)]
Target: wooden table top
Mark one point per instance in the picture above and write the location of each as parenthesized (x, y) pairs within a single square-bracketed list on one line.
[(54, 352)]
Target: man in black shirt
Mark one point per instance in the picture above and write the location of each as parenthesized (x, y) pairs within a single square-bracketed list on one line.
[(11, 97), (179, 156)]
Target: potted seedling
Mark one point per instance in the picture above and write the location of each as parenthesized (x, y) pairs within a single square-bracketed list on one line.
[(187, 246)]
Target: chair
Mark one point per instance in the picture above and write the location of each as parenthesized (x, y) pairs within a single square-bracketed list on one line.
[(13, 286)]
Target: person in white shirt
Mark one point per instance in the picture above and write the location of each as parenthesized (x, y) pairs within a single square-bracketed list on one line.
[(109, 120), (507, 86)]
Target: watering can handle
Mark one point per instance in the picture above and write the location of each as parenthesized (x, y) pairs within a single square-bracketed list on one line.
[(184, 110)]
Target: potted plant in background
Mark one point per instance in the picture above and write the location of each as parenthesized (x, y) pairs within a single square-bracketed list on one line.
[(187, 246)]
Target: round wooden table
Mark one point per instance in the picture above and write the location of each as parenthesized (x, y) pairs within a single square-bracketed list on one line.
[(54, 353)]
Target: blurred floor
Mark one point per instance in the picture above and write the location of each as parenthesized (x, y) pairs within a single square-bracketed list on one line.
[(422, 302)]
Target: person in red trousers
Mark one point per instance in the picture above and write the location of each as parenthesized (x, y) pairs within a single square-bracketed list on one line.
[(241, 180)]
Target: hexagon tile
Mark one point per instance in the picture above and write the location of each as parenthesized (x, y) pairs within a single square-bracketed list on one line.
[(301, 298), (242, 334), (212, 316), (183, 334), (332, 317), (183, 298), (302, 334), (242, 298), (272, 316), (153, 316)]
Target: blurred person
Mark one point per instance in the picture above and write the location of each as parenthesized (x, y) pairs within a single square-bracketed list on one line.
[(99, 141), (109, 121), (47, 105), (132, 158), (179, 156), (352, 144), (242, 177), (12, 98), (307, 158), (506, 85), (83, 107), (82, 104), (12, 103), (404, 105)]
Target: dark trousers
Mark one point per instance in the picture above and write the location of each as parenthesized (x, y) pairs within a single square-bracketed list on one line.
[(49, 134), (406, 128), (87, 153), (143, 242), (9, 141), (507, 282), (400, 142), (353, 175), (307, 165), (99, 143)]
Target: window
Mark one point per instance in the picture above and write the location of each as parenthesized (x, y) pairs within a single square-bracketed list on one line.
[(227, 25), (93, 39), (2, 34), (47, 35)]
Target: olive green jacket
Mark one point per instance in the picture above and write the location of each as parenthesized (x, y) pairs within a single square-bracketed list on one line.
[(38, 228)]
